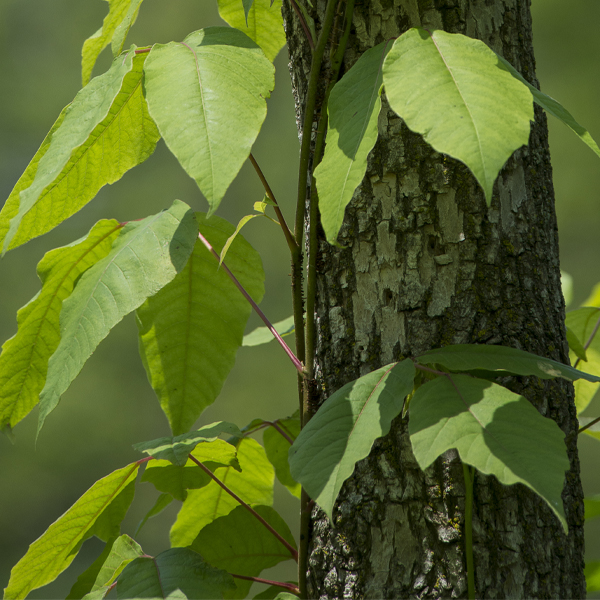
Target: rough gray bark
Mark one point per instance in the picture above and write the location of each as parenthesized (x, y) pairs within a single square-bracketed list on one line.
[(424, 264)]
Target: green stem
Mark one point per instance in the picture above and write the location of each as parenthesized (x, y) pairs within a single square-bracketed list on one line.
[(469, 476)]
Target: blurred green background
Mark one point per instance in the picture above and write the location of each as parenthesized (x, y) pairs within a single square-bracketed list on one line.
[(111, 405)]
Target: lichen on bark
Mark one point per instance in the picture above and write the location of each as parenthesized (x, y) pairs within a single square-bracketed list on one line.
[(424, 263)]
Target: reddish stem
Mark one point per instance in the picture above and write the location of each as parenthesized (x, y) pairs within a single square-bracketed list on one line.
[(289, 547), (275, 425), (588, 425), (307, 32), (288, 586), (259, 312)]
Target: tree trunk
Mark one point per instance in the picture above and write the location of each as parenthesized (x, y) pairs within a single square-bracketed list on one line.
[(425, 263)]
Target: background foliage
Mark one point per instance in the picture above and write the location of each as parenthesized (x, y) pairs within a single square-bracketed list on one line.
[(40, 45)]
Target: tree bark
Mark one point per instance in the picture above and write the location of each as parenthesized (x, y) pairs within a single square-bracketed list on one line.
[(424, 263)]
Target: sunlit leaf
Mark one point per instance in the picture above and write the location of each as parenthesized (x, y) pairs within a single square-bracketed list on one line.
[(277, 447), (594, 297), (254, 485), (241, 544), (144, 258), (262, 335), (566, 283), (24, 358), (177, 568), (191, 330), (495, 430), (592, 507), (575, 345), (176, 449), (175, 480), (592, 576), (344, 429), (123, 551), (119, 11), (122, 29), (454, 91), (555, 108), (54, 551), (161, 503), (502, 360), (208, 98), (274, 592), (353, 109), (262, 22), (86, 580), (232, 237), (105, 131)]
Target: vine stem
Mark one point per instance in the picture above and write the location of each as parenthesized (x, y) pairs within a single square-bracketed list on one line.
[(259, 312), (288, 586), (469, 476), (590, 424), (289, 547), (307, 33)]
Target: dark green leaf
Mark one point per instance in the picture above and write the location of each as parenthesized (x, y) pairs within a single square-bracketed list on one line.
[(344, 429), (496, 431), (191, 330), (241, 544), (277, 448), (177, 568), (144, 258), (452, 89), (176, 449), (576, 345), (254, 485), (55, 549), (502, 360), (208, 98)]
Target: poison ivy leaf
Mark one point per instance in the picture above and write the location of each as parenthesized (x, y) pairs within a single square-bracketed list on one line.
[(592, 576), (592, 507), (575, 345), (254, 485), (177, 568), (119, 11), (502, 360), (161, 503), (261, 21), (553, 107), (593, 430), (262, 335), (353, 109), (453, 90), (494, 430), (123, 551), (86, 580), (191, 330), (273, 592), (222, 80), (24, 358), (54, 551), (232, 237), (122, 29), (176, 449), (277, 448), (344, 429), (105, 132), (144, 258), (285, 596), (594, 297), (582, 323), (176, 481), (241, 544)]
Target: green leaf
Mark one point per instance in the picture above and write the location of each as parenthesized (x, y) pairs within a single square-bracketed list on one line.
[(241, 544), (344, 429), (581, 323), (176, 449), (123, 551), (105, 132), (594, 298), (277, 448), (353, 109), (54, 551), (553, 107), (176, 481), (592, 576), (144, 258), (122, 29), (592, 507), (161, 503), (191, 330), (24, 358), (494, 430), (177, 568), (119, 11), (501, 360), (273, 592), (593, 430), (575, 345), (453, 90), (232, 237), (262, 22), (262, 335), (566, 283), (285, 596), (208, 97), (86, 580), (254, 485)]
